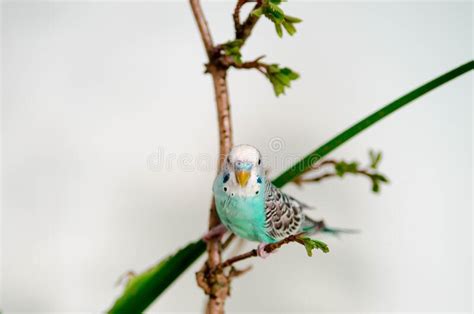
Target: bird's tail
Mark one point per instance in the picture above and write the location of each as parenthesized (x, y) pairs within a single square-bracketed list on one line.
[(311, 226)]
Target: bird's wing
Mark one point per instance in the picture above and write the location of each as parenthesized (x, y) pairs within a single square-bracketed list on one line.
[(283, 214)]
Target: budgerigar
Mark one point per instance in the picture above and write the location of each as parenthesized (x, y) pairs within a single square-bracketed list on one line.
[(250, 206)]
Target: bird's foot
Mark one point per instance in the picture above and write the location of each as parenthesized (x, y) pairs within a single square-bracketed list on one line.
[(261, 251), (216, 232)]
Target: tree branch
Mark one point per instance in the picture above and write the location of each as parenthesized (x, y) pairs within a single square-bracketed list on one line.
[(300, 181), (351, 168), (203, 27), (316, 166), (319, 225), (244, 30), (236, 14), (227, 241), (255, 64), (269, 248), (216, 285)]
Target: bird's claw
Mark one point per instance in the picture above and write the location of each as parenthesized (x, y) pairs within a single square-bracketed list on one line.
[(261, 250), (216, 232)]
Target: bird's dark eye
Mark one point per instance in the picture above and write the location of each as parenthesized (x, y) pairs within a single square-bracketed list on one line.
[(259, 161), (228, 159)]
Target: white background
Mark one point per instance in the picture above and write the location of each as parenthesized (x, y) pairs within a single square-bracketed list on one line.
[(93, 91)]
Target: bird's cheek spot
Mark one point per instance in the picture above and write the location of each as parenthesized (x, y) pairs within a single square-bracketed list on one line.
[(226, 177), (256, 193), (259, 180)]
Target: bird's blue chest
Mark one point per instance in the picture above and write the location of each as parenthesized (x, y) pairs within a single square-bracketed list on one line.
[(244, 216)]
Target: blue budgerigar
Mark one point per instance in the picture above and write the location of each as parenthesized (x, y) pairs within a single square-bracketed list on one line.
[(250, 206)]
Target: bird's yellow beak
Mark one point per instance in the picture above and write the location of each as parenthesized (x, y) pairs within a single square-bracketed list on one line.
[(242, 177)]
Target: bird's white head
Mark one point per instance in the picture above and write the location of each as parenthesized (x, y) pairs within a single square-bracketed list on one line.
[(243, 171)]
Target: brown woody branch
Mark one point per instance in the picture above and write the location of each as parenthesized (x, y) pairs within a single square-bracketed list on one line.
[(316, 166), (255, 64), (328, 162), (251, 65), (243, 31), (268, 248), (202, 26), (319, 226), (216, 285), (300, 180), (319, 165), (236, 14), (227, 242)]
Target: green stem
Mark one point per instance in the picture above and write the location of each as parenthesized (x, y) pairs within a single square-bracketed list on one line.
[(304, 164), (143, 289)]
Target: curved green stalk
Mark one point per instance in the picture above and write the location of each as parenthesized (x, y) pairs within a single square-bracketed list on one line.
[(143, 289), (302, 165)]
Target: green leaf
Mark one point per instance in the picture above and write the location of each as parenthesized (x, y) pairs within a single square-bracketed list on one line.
[(343, 167), (375, 159), (289, 28), (143, 289), (278, 88), (292, 19), (232, 49), (283, 79), (375, 186), (288, 72), (305, 163), (280, 78), (257, 12), (381, 178), (377, 179), (274, 13), (279, 30), (311, 244), (274, 68)]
